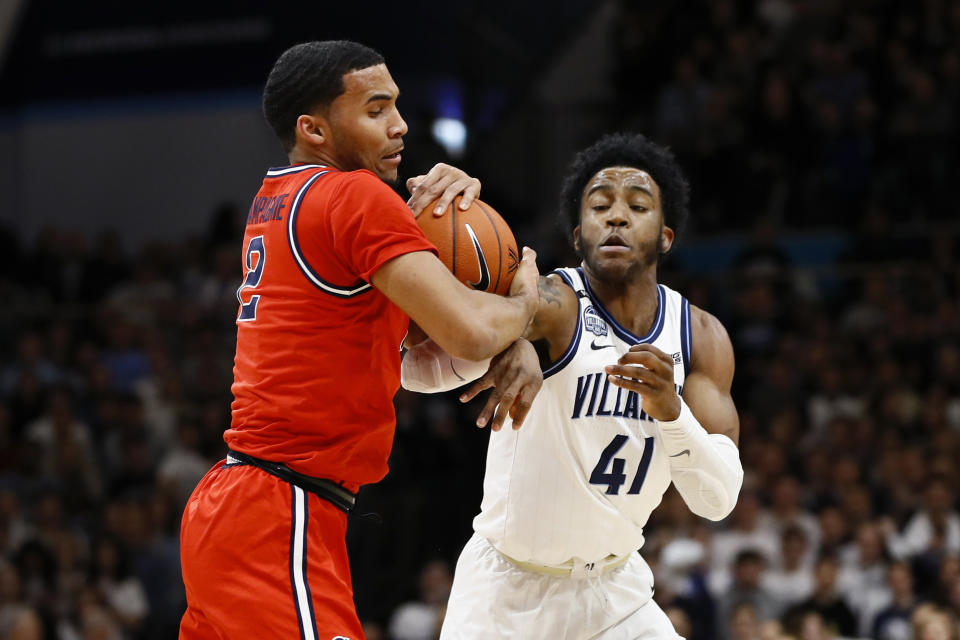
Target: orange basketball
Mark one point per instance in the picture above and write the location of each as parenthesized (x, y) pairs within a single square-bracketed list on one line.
[(477, 245)]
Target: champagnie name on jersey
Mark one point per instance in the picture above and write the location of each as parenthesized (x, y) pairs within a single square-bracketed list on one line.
[(597, 397), (267, 209)]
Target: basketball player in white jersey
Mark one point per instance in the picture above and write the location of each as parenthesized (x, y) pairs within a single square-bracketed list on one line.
[(636, 395)]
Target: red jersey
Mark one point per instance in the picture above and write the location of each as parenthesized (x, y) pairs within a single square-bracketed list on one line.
[(317, 362)]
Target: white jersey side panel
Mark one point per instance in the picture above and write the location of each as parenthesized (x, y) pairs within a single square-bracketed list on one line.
[(581, 477)]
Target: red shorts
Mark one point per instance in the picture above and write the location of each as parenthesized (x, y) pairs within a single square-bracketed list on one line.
[(262, 558)]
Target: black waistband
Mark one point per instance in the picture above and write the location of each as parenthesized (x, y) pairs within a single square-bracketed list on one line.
[(326, 489)]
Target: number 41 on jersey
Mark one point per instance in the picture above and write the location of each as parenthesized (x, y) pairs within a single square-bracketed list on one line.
[(616, 477)]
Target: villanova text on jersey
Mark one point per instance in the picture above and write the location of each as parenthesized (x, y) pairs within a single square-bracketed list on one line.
[(625, 404)]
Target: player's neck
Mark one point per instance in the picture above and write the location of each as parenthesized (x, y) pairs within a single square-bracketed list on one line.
[(632, 303), (299, 155)]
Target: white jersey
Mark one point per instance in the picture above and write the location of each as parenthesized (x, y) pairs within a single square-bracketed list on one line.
[(579, 480)]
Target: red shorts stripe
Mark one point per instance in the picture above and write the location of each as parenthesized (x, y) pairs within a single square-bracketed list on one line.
[(263, 558), (300, 518)]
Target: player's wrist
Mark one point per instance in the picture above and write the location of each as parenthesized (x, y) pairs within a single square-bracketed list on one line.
[(671, 413), (682, 419), (531, 302), (676, 433)]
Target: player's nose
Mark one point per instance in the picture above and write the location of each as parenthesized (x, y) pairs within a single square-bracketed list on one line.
[(398, 128), (617, 216)]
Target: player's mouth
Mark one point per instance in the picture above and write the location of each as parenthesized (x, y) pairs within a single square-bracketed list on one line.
[(614, 244), (393, 158)]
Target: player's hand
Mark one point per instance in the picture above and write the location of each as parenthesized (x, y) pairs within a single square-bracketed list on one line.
[(526, 282), (444, 182), (648, 371), (516, 378)]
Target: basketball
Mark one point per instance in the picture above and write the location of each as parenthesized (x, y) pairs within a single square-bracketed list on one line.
[(477, 245)]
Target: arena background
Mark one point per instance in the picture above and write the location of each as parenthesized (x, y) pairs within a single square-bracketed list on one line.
[(821, 139)]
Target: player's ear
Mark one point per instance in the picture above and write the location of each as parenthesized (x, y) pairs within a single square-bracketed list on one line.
[(312, 129), (666, 239), (576, 237)]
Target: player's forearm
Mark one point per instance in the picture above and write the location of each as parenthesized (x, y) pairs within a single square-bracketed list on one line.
[(499, 321), (705, 467), (485, 325)]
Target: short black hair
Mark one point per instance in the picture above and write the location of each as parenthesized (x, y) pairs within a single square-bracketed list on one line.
[(309, 76), (748, 555), (627, 150)]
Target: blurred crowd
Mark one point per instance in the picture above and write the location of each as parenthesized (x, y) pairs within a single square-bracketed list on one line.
[(115, 365), (799, 109), (115, 372)]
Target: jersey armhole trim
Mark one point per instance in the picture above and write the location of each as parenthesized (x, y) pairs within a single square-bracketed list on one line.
[(338, 291), (575, 341), (685, 336)]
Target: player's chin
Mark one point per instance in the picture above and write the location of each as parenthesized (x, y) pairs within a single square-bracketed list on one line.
[(612, 268), (387, 174), (614, 259)]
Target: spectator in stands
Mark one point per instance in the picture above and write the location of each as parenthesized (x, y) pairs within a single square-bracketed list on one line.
[(116, 586), (746, 589), (833, 529), (790, 581), (827, 601), (893, 621), (931, 534), (787, 511), (863, 575), (421, 619), (745, 532)]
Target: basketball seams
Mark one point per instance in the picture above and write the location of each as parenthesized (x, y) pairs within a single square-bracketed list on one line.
[(478, 248), (453, 235), (496, 232)]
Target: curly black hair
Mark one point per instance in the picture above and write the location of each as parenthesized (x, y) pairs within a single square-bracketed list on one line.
[(307, 77), (627, 150)]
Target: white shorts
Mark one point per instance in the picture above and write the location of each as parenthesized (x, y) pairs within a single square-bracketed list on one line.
[(493, 598)]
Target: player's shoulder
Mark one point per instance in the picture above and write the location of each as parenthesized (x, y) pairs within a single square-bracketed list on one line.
[(556, 288), (705, 321), (710, 340), (556, 313)]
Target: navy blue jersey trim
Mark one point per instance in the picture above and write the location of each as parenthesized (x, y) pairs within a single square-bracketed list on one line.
[(274, 172), (575, 341), (622, 333), (338, 291), (685, 336)]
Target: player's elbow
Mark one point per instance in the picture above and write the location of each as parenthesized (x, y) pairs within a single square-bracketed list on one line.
[(713, 503), (710, 496), (426, 368), (716, 511)]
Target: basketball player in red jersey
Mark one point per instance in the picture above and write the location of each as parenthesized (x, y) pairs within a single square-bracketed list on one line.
[(335, 267)]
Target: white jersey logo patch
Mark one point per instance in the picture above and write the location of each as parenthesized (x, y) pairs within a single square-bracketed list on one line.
[(593, 322)]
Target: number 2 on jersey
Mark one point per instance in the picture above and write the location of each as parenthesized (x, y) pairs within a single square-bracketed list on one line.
[(616, 477), (248, 310)]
